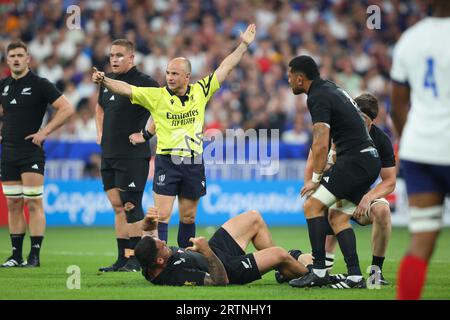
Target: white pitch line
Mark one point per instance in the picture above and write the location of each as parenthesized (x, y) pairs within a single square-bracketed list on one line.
[(73, 253)]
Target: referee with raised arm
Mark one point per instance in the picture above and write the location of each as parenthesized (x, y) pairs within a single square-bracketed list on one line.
[(178, 111), (334, 115), (125, 164), (24, 98)]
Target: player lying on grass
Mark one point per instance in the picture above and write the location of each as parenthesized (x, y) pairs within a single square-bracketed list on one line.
[(221, 260)]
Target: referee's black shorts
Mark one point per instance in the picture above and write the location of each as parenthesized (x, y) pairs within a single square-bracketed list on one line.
[(182, 176), (125, 174), (241, 268)]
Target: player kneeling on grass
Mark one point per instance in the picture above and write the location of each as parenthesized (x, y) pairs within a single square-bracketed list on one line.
[(221, 260)]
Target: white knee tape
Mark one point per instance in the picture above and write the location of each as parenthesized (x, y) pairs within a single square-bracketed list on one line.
[(425, 219), (323, 195), (13, 191), (33, 192), (344, 206), (374, 202)]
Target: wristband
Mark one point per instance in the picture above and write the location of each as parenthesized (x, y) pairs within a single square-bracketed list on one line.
[(146, 135), (316, 177)]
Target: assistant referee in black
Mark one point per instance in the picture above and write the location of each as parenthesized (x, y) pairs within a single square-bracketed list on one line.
[(24, 98), (125, 165)]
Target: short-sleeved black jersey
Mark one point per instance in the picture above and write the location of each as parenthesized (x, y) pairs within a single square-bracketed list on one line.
[(184, 267), (123, 118), (24, 103), (330, 104), (384, 146)]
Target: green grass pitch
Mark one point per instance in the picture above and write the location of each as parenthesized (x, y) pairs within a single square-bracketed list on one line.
[(90, 248)]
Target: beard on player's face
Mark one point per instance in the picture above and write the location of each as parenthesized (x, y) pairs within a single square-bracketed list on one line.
[(298, 90)]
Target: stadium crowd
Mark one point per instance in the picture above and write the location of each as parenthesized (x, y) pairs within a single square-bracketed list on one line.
[(256, 95)]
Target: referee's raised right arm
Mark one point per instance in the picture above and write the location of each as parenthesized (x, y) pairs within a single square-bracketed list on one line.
[(116, 86)]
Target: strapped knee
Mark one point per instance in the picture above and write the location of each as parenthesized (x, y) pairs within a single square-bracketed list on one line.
[(132, 203), (426, 219), (33, 192), (13, 191)]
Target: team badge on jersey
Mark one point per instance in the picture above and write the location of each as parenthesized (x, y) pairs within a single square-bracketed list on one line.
[(5, 91), (161, 179), (26, 91)]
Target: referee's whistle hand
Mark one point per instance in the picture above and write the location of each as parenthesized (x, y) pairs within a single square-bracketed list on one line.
[(249, 35), (97, 76)]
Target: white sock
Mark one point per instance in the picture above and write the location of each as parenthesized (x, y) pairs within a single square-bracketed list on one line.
[(355, 278), (329, 260), (320, 272)]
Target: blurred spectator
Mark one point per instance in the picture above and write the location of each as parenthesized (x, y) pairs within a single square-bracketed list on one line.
[(85, 129), (299, 134), (257, 94), (41, 46), (51, 69)]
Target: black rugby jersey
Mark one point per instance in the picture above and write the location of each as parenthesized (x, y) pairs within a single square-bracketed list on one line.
[(384, 146), (184, 267), (123, 118), (24, 103), (330, 104)]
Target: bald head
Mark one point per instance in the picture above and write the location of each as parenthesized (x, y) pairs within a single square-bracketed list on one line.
[(180, 63), (178, 74)]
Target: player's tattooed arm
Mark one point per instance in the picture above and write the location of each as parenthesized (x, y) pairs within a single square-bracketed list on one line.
[(217, 274), (320, 146), (319, 150)]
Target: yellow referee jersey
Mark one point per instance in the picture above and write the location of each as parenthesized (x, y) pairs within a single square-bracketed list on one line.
[(179, 120)]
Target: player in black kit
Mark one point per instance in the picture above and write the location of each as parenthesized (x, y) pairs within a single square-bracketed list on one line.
[(24, 98), (220, 261), (373, 209), (125, 164), (335, 116)]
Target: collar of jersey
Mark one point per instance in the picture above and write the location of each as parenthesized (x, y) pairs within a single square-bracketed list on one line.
[(314, 84), (129, 72), (29, 73), (185, 95)]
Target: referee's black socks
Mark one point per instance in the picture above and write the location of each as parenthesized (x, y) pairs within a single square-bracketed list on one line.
[(347, 243), (185, 232), (163, 230), (316, 230)]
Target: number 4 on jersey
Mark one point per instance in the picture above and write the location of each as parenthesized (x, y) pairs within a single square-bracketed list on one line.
[(430, 79)]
